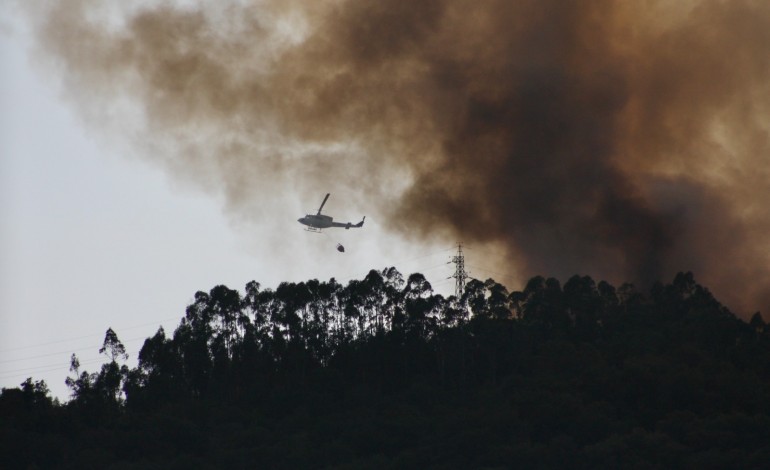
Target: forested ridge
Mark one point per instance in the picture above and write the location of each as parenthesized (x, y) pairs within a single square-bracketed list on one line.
[(384, 373)]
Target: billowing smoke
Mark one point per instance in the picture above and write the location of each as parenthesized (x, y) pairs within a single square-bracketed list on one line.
[(625, 140)]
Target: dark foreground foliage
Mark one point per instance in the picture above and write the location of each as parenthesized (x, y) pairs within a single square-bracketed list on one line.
[(382, 373)]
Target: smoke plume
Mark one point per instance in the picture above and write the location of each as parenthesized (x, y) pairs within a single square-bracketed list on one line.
[(626, 140)]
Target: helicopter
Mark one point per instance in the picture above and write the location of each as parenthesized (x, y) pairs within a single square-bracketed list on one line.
[(317, 222)]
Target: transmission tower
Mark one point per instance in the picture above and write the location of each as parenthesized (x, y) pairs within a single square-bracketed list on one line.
[(460, 275)]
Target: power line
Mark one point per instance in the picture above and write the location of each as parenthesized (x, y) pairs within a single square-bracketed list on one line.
[(52, 367), (86, 336), (58, 366), (65, 352), (396, 264), (48, 367), (506, 276), (130, 343)]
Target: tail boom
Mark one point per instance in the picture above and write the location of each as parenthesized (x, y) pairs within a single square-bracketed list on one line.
[(349, 225)]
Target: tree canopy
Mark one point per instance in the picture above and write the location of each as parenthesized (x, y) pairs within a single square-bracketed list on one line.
[(385, 373)]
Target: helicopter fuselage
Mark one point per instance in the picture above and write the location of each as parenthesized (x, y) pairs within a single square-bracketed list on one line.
[(318, 221)]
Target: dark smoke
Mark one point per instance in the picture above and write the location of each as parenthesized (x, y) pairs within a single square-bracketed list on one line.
[(626, 140)]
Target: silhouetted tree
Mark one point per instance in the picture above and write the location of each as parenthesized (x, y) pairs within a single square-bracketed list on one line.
[(497, 300), (544, 305), (383, 372), (584, 304), (109, 382)]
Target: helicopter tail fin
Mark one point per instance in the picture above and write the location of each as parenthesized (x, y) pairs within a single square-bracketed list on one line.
[(360, 224)]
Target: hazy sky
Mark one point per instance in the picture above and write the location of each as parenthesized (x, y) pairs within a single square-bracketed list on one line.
[(93, 236), (154, 148)]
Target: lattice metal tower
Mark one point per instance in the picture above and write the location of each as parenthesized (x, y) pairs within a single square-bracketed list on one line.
[(460, 275)]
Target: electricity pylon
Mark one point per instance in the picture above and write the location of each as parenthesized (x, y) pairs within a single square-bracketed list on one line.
[(460, 274)]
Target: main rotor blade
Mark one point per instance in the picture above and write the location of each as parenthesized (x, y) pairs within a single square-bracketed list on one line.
[(322, 204)]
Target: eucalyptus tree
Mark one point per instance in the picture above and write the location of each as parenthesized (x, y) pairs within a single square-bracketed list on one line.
[(497, 300), (353, 320), (544, 304), (100, 392), (291, 317), (226, 312), (421, 306), (159, 374), (110, 380), (584, 303)]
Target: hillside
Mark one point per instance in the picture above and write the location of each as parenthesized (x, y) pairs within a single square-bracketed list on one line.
[(383, 373)]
